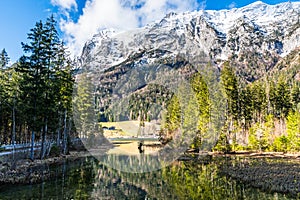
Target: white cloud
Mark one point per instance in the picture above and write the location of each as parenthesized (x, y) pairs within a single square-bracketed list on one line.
[(65, 4), (119, 15), (202, 5), (232, 5)]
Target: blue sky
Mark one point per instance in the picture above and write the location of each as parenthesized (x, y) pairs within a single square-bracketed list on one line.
[(78, 20)]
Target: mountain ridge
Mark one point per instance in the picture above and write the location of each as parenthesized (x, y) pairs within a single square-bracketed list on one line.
[(253, 38), (278, 34), (187, 43)]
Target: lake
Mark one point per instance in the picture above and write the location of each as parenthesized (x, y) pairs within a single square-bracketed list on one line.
[(87, 178)]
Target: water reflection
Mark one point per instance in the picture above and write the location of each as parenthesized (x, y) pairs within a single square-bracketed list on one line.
[(139, 156), (89, 179), (135, 147)]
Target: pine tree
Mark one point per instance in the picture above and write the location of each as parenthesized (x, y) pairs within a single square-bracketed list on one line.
[(230, 86), (200, 90), (4, 59), (64, 82), (295, 94), (246, 105), (281, 99), (84, 107), (43, 75), (259, 101), (32, 85), (54, 61), (4, 106), (5, 100), (172, 119), (174, 114), (229, 82)]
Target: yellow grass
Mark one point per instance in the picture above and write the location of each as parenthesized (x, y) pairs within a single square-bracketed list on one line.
[(124, 128)]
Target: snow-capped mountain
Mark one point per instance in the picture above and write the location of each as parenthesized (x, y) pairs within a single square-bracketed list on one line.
[(253, 38)]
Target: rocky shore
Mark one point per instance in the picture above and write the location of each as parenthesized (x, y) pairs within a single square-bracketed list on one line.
[(25, 171)]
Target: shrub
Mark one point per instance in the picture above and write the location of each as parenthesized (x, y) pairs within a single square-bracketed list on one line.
[(222, 144), (280, 144)]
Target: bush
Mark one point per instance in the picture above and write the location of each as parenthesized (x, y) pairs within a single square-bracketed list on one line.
[(239, 147), (253, 141), (280, 144), (222, 144), (259, 136), (293, 129)]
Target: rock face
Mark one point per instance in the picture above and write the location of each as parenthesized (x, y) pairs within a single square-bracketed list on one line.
[(253, 39), (267, 31)]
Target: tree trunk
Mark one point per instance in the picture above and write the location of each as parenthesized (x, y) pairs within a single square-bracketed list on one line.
[(6, 128), (32, 145), (33, 127), (13, 132), (45, 127), (65, 134), (58, 131), (69, 127), (1, 125)]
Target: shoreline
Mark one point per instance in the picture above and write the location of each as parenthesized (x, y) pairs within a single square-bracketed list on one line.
[(269, 171), (259, 154), (31, 172)]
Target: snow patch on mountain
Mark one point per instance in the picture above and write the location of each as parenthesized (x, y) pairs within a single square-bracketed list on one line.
[(219, 34)]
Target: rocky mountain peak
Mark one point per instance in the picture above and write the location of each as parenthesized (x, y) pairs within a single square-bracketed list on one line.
[(268, 32)]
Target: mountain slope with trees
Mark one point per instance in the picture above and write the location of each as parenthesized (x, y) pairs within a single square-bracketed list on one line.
[(254, 51)]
